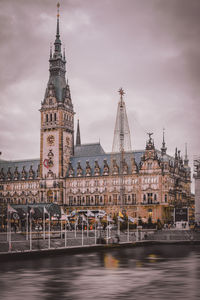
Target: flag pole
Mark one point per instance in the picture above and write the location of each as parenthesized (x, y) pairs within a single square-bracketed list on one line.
[(43, 224), (61, 226), (95, 233), (65, 234), (87, 223), (27, 224), (75, 229), (49, 231), (107, 229), (30, 230), (7, 224), (128, 231), (82, 231), (9, 232)]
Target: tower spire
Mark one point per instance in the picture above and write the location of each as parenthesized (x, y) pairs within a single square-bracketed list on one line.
[(57, 42), (58, 15), (164, 148), (122, 139), (78, 136), (57, 83), (186, 160)]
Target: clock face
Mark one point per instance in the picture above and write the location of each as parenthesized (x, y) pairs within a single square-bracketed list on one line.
[(50, 140)]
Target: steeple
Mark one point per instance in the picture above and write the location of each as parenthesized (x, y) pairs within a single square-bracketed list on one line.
[(122, 139), (57, 42), (186, 160), (78, 136), (57, 84), (164, 148)]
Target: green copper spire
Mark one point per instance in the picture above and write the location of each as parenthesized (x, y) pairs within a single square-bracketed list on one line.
[(57, 85)]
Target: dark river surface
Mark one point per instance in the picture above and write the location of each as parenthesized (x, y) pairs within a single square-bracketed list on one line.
[(148, 272)]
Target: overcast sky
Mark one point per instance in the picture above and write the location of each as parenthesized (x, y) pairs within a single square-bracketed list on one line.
[(151, 48)]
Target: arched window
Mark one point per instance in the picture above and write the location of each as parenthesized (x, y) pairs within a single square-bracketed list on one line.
[(54, 116), (155, 197), (144, 197), (46, 117), (50, 117)]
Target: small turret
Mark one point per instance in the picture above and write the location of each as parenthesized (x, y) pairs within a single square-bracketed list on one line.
[(186, 160), (78, 136), (163, 148)]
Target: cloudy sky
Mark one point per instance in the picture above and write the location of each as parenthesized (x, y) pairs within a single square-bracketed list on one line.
[(151, 48)]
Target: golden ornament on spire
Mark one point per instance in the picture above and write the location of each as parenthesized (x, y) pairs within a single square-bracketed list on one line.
[(58, 6)]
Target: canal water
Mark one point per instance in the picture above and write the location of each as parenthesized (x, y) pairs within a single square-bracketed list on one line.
[(150, 272)]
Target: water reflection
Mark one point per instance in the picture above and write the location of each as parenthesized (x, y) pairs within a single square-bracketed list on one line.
[(110, 262), (158, 272)]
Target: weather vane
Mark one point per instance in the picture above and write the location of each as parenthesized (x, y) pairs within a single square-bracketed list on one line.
[(121, 92)]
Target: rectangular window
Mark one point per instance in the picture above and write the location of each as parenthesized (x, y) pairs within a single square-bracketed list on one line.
[(150, 196), (96, 200)]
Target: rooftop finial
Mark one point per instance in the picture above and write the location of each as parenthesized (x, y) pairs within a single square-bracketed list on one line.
[(186, 150), (186, 160), (58, 15), (164, 148), (58, 6), (57, 42), (64, 52), (150, 142), (121, 92), (50, 50), (150, 134)]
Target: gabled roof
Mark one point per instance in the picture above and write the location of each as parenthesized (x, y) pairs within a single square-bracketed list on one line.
[(88, 150), (101, 157)]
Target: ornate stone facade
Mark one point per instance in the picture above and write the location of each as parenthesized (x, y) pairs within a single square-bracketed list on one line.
[(84, 176)]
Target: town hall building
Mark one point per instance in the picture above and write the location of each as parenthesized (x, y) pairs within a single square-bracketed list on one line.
[(73, 175)]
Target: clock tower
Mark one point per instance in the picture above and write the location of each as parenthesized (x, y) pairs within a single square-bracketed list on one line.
[(57, 118)]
